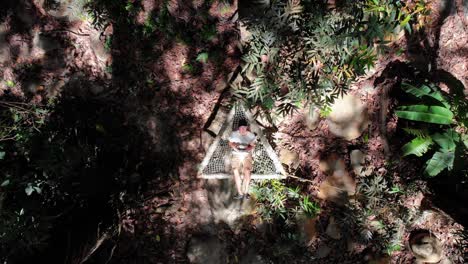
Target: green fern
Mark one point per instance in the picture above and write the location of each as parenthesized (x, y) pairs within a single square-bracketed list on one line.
[(416, 132), (439, 162), (418, 146), (446, 141)]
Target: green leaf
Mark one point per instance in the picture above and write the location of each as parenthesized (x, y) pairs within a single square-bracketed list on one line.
[(269, 103), (447, 141), (395, 189), (439, 162), (424, 113), (29, 190), (202, 57), (2, 155), (425, 90), (10, 83), (5, 183), (465, 140), (418, 92), (418, 146), (417, 132)]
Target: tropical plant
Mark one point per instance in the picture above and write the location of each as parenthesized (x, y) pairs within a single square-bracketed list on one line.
[(305, 54), (437, 124), (277, 201)]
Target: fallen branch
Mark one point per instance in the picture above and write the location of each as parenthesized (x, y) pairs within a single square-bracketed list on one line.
[(67, 30), (298, 178)]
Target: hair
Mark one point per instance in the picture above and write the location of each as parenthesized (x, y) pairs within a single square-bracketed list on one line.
[(242, 122)]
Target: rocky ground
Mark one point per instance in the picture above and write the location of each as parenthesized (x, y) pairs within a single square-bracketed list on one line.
[(169, 97)]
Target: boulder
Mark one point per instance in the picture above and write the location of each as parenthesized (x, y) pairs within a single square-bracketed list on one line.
[(426, 247), (67, 10), (348, 117), (339, 185), (289, 158)]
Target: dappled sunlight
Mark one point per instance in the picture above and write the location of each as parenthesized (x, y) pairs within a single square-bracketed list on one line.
[(108, 109)]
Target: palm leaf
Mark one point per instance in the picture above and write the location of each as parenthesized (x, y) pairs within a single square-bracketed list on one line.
[(439, 162), (418, 146), (425, 90), (424, 113), (447, 141), (418, 92)]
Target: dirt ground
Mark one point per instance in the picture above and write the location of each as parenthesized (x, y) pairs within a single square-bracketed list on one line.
[(169, 96)]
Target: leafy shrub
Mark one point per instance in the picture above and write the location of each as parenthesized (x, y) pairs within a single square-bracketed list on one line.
[(275, 200), (434, 113), (377, 216), (305, 54)]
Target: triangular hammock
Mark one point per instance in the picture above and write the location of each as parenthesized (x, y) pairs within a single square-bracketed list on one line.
[(216, 164)]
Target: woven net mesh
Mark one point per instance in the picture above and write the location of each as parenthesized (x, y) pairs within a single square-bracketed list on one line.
[(219, 162)]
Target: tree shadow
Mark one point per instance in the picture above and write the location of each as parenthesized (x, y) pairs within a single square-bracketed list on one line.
[(123, 143)]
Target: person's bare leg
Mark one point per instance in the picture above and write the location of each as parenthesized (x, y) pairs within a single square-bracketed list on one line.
[(238, 181), (247, 168), (246, 181)]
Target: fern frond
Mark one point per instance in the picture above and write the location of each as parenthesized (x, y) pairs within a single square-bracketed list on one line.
[(418, 146), (422, 133)]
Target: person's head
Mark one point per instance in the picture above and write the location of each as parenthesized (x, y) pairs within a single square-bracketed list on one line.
[(243, 127)]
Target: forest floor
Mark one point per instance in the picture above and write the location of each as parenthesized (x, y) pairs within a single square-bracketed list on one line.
[(161, 87)]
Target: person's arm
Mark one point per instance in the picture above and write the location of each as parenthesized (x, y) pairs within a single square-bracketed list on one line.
[(233, 145), (252, 144)]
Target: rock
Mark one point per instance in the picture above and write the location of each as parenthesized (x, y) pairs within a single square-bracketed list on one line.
[(426, 247), (322, 251), (357, 160), (289, 158), (339, 185), (67, 10), (348, 117), (333, 230), (206, 250)]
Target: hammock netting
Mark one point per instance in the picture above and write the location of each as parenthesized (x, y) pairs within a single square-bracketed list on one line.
[(217, 161)]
